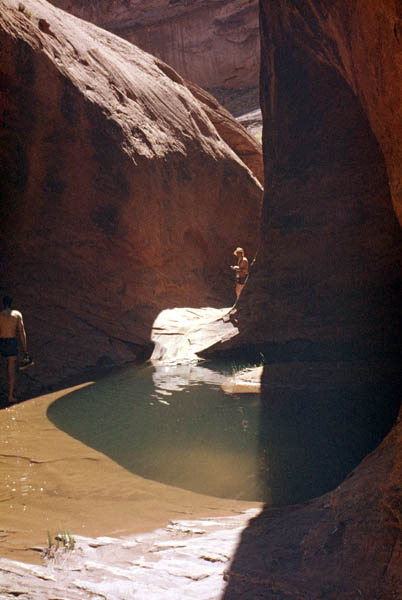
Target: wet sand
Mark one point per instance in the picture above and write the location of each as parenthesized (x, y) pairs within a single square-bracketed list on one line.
[(51, 482)]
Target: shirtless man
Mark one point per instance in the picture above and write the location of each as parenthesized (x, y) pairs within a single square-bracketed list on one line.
[(241, 271), (11, 326)]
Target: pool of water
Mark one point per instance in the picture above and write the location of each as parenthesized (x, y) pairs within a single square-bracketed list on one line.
[(174, 424)]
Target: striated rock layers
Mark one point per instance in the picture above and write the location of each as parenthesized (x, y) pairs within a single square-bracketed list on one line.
[(119, 196), (214, 44), (328, 282)]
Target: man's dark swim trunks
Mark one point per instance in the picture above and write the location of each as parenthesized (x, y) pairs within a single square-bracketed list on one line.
[(241, 280), (8, 347)]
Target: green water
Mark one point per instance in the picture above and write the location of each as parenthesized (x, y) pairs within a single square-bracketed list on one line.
[(176, 426)]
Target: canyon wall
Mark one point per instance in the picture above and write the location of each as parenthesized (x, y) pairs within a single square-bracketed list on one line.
[(325, 294), (328, 276), (214, 44), (119, 196)]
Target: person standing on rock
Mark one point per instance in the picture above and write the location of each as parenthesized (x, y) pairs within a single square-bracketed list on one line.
[(11, 326), (241, 271)]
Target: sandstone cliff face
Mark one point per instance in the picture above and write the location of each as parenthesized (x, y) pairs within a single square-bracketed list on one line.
[(214, 44), (241, 141), (116, 189), (328, 280), (330, 265)]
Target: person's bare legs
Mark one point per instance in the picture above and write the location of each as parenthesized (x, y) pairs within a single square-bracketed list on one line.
[(11, 366), (239, 288)]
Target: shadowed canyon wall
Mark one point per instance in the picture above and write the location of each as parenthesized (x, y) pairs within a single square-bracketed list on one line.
[(329, 270), (214, 44), (116, 189), (325, 294)]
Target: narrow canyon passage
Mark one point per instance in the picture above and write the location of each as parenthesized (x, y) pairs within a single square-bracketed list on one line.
[(125, 190)]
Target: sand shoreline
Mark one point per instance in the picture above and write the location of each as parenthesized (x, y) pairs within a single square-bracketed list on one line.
[(54, 482)]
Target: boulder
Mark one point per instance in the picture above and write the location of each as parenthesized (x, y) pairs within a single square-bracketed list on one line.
[(344, 545), (119, 196), (245, 381)]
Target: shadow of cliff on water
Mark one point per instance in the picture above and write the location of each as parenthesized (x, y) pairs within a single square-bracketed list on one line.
[(333, 416), (338, 413)]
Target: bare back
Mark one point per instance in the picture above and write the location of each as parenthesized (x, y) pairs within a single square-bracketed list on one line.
[(10, 323)]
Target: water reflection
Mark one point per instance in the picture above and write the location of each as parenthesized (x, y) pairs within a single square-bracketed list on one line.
[(172, 424), (175, 378)]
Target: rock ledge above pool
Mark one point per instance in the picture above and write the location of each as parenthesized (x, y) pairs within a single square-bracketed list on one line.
[(247, 381)]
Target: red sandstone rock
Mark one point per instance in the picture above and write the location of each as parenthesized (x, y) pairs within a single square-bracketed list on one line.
[(215, 44), (119, 196), (242, 142), (328, 281), (234, 134), (329, 269)]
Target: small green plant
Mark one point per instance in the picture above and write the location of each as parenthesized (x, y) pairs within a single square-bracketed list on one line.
[(236, 367), (62, 541)]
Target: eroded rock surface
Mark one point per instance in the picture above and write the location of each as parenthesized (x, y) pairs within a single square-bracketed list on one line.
[(329, 270), (246, 381), (214, 44), (116, 191), (245, 141)]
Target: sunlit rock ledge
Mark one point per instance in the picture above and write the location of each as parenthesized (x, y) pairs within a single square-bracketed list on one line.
[(179, 334), (247, 381)]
